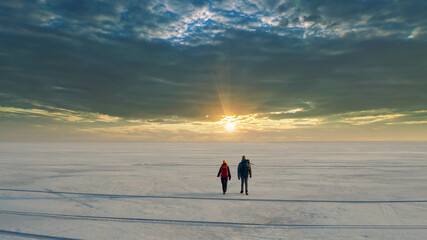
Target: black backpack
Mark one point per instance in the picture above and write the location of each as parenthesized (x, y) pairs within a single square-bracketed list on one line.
[(245, 168)]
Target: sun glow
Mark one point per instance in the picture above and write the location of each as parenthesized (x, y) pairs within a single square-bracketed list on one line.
[(230, 127), (229, 123)]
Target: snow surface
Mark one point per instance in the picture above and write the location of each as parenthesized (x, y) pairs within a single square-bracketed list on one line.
[(307, 190)]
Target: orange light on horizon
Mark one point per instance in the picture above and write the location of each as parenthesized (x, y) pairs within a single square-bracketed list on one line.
[(230, 127), (229, 123)]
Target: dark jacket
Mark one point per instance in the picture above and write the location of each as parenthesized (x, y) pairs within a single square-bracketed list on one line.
[(228, 169), (244, 169)]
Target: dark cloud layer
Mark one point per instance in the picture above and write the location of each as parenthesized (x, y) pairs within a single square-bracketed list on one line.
[(136, 59)]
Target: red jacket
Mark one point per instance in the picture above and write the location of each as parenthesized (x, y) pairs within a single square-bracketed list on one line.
[(224, 171)]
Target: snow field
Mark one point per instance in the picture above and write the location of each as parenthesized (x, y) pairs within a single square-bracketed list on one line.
[(170, 191)]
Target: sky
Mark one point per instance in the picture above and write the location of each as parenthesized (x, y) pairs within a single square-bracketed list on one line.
[(201, 71)]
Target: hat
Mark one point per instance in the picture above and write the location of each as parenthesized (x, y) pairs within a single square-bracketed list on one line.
[(224, 161)]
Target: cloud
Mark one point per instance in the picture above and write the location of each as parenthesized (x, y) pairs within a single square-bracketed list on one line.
[(200, 22), (139, 61), (183, 130), (58, 114), (407, 123), (370, 119), (148, 80), (289, 111)]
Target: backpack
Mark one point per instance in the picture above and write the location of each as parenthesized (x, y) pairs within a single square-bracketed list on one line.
[(245, 167), (224, 171)]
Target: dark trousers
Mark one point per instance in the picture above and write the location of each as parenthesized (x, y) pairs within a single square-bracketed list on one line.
[(244, 181), (224, 184)]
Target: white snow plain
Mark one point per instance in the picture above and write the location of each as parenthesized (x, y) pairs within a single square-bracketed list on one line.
[(128, 190)]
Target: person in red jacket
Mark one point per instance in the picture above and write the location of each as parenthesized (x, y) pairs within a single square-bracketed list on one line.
[(224, 172)]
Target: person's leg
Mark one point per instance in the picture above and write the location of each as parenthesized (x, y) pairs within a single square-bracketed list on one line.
[(246, 185), (241, 184), (224, 184)]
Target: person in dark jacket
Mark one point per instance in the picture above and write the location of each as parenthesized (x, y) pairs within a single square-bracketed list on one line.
[(224, 172), (244, 171)]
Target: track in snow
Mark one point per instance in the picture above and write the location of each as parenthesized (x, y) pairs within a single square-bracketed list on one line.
[(209, 223), (101, 195)]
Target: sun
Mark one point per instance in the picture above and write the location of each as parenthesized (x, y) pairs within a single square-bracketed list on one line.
[(229, 123), (230, 127)]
